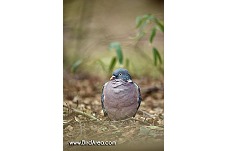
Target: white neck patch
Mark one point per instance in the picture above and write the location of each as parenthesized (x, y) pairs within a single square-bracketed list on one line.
[(129, 80)]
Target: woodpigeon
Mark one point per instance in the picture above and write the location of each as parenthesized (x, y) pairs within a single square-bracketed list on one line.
[(121, 97)]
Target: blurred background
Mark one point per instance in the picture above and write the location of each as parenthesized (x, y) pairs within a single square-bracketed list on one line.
[(100, 36), (90, 26)]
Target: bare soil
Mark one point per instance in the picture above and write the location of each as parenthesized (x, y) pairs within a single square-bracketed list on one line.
[(84, 119)]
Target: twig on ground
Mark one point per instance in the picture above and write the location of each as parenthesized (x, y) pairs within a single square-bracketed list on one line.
[(147, 114), (146, 123), (84, 114), (113, 126)]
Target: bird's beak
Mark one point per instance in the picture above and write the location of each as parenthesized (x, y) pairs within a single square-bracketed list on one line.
[(112, 78)]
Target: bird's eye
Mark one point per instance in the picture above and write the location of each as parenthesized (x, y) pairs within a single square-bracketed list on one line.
[(120, 74)]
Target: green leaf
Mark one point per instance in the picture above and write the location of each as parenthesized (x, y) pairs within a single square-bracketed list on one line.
[(157, 56), (76, 65), (141, 21), (138, 21), (112, 64), (117, 47), (153, 33), (159, 24)]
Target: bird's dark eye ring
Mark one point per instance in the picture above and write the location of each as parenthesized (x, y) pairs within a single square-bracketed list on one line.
[(120, 74)]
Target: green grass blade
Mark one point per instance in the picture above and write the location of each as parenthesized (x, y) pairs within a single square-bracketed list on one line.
[(142, 20), (75, 65), (159, 24), (157, 56), (138, 21), (117, 47), (112, 64), (153, 33)]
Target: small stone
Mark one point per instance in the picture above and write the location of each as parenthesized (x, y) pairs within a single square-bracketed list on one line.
[(69, 127)]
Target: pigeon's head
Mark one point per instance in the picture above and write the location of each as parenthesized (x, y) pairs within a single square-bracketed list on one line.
[(121, 74)]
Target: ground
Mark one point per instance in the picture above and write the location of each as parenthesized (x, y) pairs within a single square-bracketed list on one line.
[(84, 119)]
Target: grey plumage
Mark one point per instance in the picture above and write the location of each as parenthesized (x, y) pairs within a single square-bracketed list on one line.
[(121, 97)]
